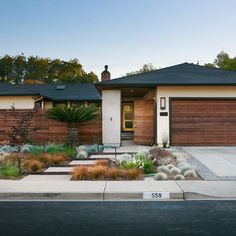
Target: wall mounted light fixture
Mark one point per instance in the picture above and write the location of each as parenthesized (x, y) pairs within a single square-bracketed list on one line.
[(163, 103)]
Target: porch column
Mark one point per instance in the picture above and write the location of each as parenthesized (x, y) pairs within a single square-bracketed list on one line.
[(111, 117)]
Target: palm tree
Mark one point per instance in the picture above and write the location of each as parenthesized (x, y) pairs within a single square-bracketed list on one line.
[(72, 116)]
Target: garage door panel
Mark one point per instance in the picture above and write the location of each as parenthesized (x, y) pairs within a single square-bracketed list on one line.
[(203, 122)]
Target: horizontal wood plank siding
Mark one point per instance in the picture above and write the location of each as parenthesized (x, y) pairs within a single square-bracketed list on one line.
[(44, 130), (144, 122), (203, 122)]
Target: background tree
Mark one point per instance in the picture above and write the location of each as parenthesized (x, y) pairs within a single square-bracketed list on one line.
[(145, 68), (223, 61), (20, 69)]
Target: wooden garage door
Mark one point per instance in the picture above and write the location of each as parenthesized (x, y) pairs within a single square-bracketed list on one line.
[(203, 122)]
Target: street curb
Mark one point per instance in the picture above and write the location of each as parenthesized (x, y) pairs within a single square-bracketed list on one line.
[(117, 190), (51, 196)]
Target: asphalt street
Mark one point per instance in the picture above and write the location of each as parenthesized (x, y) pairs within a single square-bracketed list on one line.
[(117, 218)]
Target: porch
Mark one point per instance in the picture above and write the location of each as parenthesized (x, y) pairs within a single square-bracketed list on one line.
[(129, 116)]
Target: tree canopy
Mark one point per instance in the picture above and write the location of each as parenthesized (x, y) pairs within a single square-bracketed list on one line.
[(223, 61), (20, 69), (145, 68)]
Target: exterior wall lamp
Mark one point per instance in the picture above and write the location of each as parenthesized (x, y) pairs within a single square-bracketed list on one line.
[(163, 103)]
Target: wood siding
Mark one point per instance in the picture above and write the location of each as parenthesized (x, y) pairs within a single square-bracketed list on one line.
[(144, 122), (203, 122), (44, 130)]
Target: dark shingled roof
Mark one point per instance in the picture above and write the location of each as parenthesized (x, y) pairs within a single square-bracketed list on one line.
[(71, 92), (182, 74), (12, 90)]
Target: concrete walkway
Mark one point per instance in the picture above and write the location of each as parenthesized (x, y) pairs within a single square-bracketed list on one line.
[(116, 190), (220, 162)]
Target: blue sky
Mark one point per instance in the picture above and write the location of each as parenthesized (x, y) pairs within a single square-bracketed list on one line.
[(124, 34)]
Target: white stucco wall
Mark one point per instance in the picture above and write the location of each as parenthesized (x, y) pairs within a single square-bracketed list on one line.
[(19, 102), (186, 91), (111, 117)]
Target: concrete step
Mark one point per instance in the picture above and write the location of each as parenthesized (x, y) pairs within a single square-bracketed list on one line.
[(82, 162), (64, 170)]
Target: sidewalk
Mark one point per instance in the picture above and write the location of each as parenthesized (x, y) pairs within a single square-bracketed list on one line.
[(117, 190)]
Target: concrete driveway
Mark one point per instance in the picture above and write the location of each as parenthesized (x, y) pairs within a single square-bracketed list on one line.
[(214, 163)]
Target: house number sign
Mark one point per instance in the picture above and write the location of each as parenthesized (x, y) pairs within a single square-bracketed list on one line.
[(156, 195)]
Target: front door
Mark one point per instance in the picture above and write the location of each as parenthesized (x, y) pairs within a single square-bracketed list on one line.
[(144, 122), (127, 116)]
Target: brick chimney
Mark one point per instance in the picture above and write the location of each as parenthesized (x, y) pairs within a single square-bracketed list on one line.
[(105, 75)]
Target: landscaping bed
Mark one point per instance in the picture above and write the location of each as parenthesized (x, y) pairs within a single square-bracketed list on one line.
[(159, 163)]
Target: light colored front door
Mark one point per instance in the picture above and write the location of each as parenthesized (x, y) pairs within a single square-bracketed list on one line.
[(127, 116)]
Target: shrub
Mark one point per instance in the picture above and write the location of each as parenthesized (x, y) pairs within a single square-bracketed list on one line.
[(184, 166), (58, 158), (45, 158), (33, 165), (163, 169), (36, 150), (82, 155), (148, 167), (175, 171), (70, 151), (124, 158), (80, 173), (179, 177), (103, 172), (9, 169), (133, 174), (102, 162), (170, 166), (97, 172), (112, 173), (27, 148), (161, 156), (165, 140), (81, 148), (128, 165), (190, 173), (160, 176)]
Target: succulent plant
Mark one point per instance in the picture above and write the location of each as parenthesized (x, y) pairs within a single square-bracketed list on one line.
[(163, 169), (124, 158), (184, 166), (81, 148), (175, 171), (190, 173), (82, 155), (179, 177), (170, 166), (160, 176), (27, 148)]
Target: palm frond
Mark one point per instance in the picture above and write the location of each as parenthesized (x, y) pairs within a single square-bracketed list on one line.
[(74, 114)]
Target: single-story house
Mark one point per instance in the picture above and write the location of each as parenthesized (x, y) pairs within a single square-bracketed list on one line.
[(19, 98), (27, 96), (187, 104)]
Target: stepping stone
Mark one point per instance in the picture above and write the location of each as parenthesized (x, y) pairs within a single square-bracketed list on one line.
[(101, 156), (59, 170), (47, 178), (82, 162)]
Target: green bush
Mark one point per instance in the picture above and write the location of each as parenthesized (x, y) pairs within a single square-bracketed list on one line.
[(129, 165), (70, 151), (148, 167), (54, 149), (9, 169), (36, 150)]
